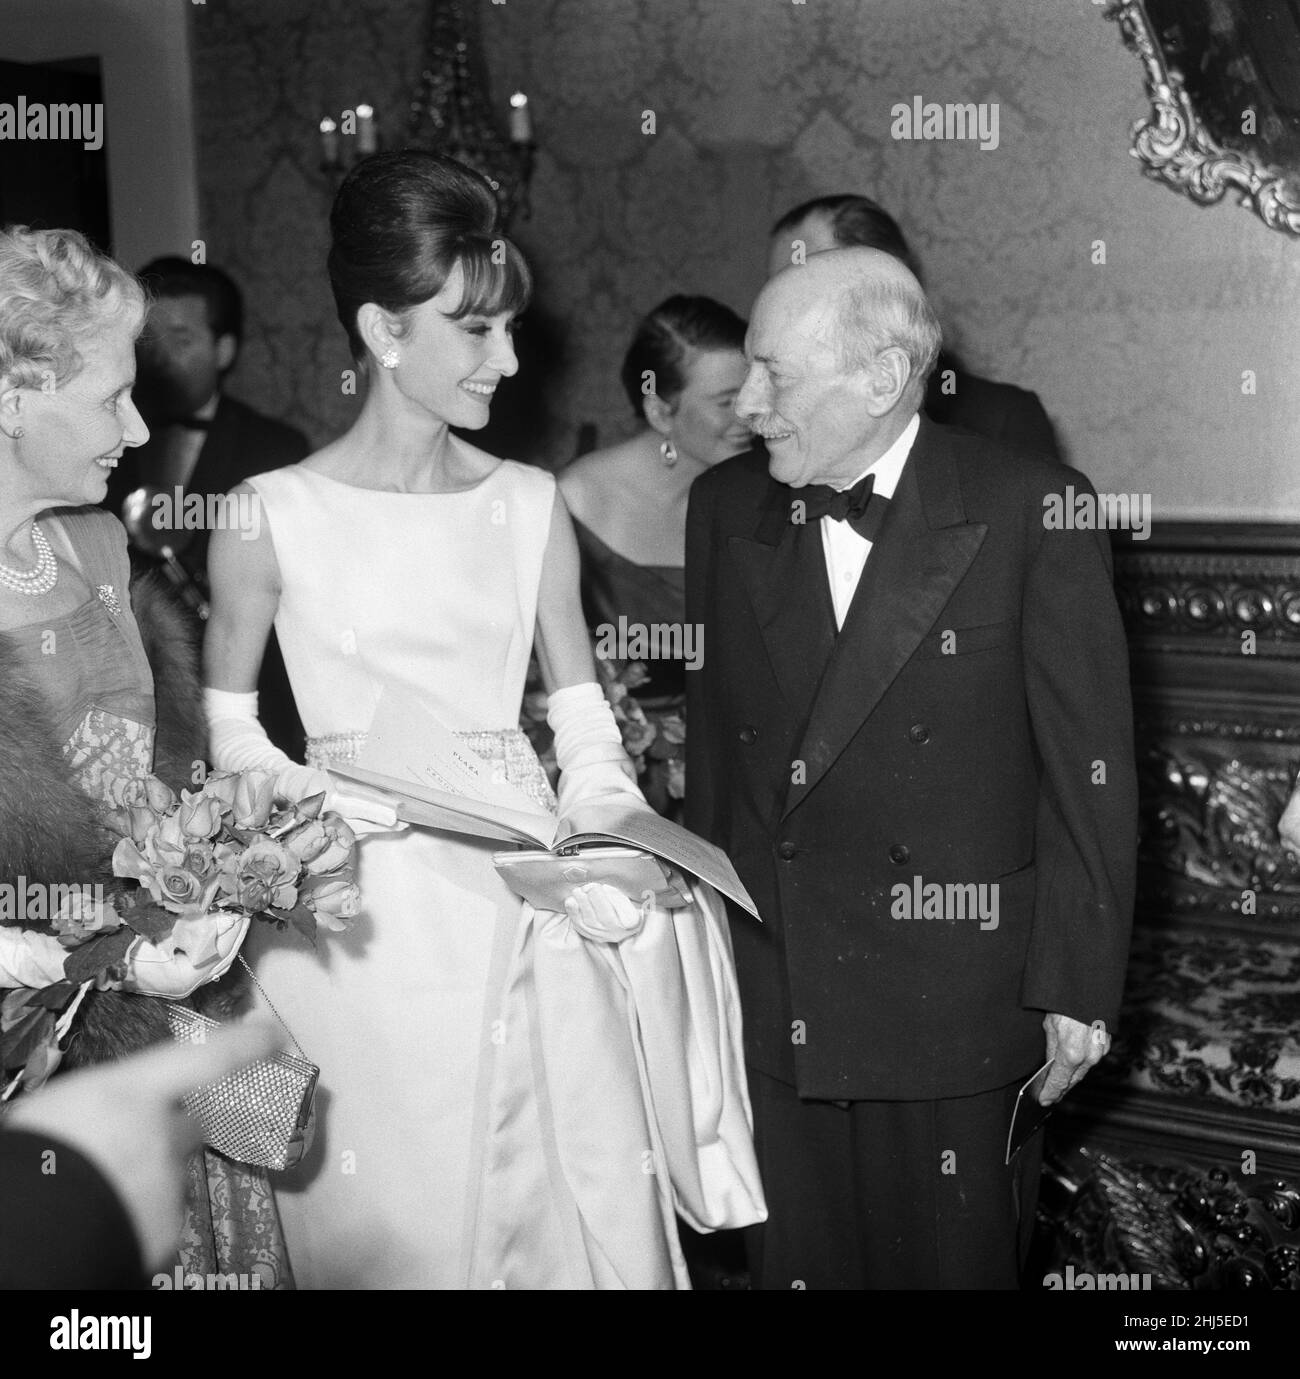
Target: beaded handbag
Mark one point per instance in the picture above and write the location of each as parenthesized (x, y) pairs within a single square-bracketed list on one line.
[(261, 1115)]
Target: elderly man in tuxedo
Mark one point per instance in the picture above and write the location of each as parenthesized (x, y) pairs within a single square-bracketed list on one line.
[(912, 733)]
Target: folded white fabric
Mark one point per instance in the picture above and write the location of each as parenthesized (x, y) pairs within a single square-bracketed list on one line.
[(29, 959), (238, 742)]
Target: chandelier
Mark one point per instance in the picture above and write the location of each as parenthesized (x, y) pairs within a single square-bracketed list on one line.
[(450, 114)]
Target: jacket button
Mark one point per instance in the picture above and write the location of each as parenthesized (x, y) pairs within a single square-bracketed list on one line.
[(749, 735), (919, 733), (786, 851), (899, 854)]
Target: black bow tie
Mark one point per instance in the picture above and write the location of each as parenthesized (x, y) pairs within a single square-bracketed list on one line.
[(859, 506)]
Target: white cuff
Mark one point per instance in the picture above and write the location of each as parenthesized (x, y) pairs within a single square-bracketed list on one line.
[(29, 959)]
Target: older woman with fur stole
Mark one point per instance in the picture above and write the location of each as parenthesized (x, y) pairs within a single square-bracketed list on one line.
[(98, 687)]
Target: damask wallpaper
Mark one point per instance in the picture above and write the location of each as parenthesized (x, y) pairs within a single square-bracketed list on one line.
[(756, 104)]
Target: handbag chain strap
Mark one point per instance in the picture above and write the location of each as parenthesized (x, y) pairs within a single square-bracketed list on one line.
[(253, 976)]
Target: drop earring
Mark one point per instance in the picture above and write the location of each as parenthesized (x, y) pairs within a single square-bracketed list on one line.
[(669, 452), (389, 358)]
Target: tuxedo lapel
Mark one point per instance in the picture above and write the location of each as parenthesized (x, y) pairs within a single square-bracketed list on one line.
[(923, 551), (784, 573)]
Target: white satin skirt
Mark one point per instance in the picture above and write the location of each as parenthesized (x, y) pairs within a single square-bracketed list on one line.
[(503, 1102)]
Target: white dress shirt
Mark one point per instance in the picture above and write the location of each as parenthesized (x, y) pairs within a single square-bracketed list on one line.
[(846, 550)]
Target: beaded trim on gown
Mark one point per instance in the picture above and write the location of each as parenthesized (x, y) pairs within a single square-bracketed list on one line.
[(488, 1115), (90, 672)]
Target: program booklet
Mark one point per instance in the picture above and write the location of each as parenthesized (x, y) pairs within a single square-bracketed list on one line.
[(443, 784)]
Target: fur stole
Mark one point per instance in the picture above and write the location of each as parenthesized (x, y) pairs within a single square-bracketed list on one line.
[(50, 831)]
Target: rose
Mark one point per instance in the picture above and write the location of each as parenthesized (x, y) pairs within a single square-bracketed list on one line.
[(199, 815), (337, 853), (263, 875), (306, 840), (333, 900), (145, 792), (159, 796), (177, 889), (201, 859), (254, 799), (81, 916), (172, 884), (322, 845), (221, 786), (637, 736), (635, 674), (673, 728), (167, 841)]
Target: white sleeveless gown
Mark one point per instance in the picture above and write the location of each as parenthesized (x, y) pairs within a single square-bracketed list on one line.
[(502, 1103)]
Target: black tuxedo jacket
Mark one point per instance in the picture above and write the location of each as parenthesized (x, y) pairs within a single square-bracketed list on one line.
[(239, 444), (970, 724), (999, 412)]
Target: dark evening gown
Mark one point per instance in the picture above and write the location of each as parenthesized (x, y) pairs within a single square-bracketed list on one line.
[(615, 587)]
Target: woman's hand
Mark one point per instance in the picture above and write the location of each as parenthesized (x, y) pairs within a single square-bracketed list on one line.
[(198, 950), (604, 913)]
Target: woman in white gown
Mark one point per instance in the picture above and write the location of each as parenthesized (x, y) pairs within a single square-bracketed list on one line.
[(509, 1098)]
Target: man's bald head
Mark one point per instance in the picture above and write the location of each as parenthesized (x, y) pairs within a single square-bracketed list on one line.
[(838, 349), (862, 301)]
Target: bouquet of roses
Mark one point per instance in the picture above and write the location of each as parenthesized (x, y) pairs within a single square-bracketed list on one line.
[(654, 734), (225, 847)]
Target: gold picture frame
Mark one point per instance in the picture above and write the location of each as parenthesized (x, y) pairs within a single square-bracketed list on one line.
[(1174, 142)]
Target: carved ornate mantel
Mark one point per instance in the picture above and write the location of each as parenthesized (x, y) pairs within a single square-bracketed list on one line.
[(1213, 613), (1180, 1155)]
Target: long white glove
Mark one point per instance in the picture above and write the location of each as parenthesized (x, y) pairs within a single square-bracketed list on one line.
[(238, 742), (594, 769), (29, 959), (589, 750), (199, 950)]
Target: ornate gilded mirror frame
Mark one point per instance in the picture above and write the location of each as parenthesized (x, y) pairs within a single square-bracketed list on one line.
[(1175, 145)]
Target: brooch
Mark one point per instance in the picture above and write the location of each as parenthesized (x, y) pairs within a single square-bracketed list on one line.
[(108, 598)]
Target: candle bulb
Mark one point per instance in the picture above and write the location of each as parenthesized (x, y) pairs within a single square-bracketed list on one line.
[(367, 134), (329, 142), (521, 120)]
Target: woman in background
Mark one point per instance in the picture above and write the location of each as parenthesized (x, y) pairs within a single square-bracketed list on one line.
[(681, 375)]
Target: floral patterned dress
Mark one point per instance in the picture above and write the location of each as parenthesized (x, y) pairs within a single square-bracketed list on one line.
[(91, 673)]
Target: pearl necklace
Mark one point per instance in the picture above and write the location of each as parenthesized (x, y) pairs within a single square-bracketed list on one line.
[(39, 580)]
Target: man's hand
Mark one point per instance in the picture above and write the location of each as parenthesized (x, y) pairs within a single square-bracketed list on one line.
[(1074, 1049), (126, 1118)]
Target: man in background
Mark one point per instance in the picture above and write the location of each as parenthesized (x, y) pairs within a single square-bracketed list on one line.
[(954, 396), (202, 440)]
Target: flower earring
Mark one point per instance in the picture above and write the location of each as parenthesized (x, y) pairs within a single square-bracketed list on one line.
[(669, 452), (19, 433), (389, 358)]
